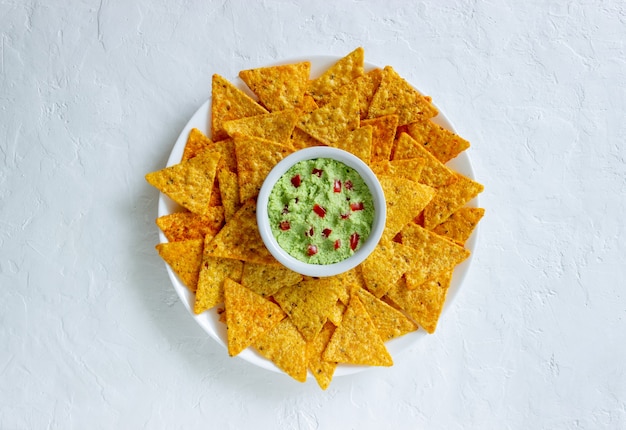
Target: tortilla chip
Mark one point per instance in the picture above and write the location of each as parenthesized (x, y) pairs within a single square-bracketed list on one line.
[(349, 281), (383, 136), (255, 158), (308, 304), (196, 143), (321, 369), (213, 272), (410, 169), (449, 199), (389, 322), (285, 347), (333, 121), (336, 312), (434, 173), (385, 265), (424, 303), (357, 142), (276, 126), (405, 200), (397, 96), (460, 225), (189, 183), (279, 87), (339, 74), (266, 279), (365, 86), (226, 148), (239, 239), (188, 225), (229, 190), (301, 139), (248, 315), (442, 143), (356, 340), (184, 258), (434, 254), (227, 103)]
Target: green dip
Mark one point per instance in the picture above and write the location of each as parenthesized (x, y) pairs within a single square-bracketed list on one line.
[(321, 211)]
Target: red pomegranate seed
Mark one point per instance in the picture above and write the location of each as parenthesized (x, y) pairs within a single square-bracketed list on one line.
[(348, 185), (284, 225), (337, 186), (337, 244), (296, 181), (356, 206), (312, 249), (319, 210), (317, 172), (326, 232), (354, 241)]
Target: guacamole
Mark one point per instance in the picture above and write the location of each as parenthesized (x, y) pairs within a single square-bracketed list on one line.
[(321, 211)]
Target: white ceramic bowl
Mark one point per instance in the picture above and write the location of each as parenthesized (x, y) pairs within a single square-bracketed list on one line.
[(378, 224)]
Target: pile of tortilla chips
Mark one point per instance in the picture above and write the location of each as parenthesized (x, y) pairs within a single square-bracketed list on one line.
[(313, 324)]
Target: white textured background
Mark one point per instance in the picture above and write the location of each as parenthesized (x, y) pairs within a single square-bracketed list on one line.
[(93, 95)]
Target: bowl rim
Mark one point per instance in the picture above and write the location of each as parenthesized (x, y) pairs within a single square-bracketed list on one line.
[(378, 223)]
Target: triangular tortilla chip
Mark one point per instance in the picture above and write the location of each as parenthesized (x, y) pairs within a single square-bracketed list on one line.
[(449, 199), (424, 303), (397, 96), (442, 143), (276, 126), (389, 322), (435, 173), (357, 142), (285, 347), (336, 312), (239, 239), (184, 258), (247, 315), (278, 87), (213, 272), (255, 158), (408, 169), (189, 183), (333, 121), (385, 265), (321, 369), (196, 143), (434, 254), (266, 279), (383, 136), (405, 200), (365, 86), (339, 74), (188, 225), (460, 225), (356, 340), (308, 303), (229, 102), (229, 190)]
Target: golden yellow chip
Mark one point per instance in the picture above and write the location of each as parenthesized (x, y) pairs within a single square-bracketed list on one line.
[(389, 322), (240, 239), (435, 173), (461, 224), (333, 121), (408, 169), (275, 126), (365, 86), (336, 312), (321, 369), (442, 143), (449, 199), (247, 315), (285, 347), (339, 74), (385, 265), (349, 281), (229, 191), (187, 225), (357, 142), (434, 254), (308, 304), (189, 183), (196, 143), (184, 258), (405, 200), (255, 158), (424, 303), (266, 279), (383, 136), (227, 103), (397, 96), (356, 340), (278, 87), (213, 272)]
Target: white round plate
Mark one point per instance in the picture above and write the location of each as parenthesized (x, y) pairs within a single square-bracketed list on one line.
[(209, 320)]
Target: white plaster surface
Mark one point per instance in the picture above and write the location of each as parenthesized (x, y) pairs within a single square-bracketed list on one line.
[(93, 94)]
